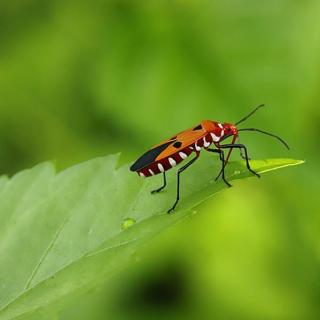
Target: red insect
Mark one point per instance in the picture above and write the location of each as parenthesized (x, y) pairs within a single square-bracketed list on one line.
[(171, 152)]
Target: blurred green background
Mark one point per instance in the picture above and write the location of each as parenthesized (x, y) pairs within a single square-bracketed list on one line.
[(80, 79)]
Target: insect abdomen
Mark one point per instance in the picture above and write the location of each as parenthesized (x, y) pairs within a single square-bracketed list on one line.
[(165, 163)]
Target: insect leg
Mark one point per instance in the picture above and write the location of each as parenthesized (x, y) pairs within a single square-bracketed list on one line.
[(241, 147), (221, 154), (178, 180), (241, 151), (163, 186), (242, 156)]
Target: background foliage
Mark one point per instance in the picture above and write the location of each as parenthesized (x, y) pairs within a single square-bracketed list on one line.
[(81, 79)]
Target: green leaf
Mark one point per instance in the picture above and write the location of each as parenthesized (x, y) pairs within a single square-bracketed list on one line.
[(62, 234)]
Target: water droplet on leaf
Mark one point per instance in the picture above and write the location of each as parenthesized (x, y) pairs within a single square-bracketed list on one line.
[(127, 223)]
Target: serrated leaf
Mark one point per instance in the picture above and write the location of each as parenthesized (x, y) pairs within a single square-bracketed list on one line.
[(64, 233)]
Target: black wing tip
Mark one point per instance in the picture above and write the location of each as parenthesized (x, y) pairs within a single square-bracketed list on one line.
[(133, 168), (149, 157)]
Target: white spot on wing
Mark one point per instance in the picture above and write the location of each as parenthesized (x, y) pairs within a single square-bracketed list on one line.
[(151, 172), (172, 162), (220, 125), (183, 155), (214, 137), (222, 133), (160, 167), (197, 147), (141, 174)]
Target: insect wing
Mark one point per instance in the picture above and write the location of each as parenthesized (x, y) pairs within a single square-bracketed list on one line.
[(169, 147), (183, 140), (149, 157)]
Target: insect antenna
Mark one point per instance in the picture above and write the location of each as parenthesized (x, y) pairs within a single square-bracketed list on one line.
[(267, 133), (250, 114)]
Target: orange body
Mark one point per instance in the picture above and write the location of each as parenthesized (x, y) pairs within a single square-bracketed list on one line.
[(170, 152)]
